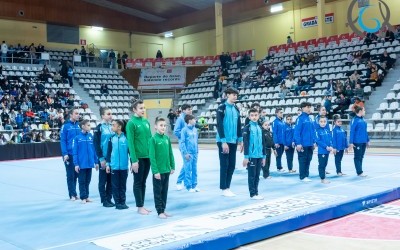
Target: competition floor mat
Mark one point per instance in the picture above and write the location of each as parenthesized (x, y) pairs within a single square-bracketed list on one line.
[(36, 212)]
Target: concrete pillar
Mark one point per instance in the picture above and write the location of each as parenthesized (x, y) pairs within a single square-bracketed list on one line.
[(219, 28), (321, 17)]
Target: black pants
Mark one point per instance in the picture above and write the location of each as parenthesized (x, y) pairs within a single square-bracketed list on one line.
[(322, 163), (279, 152), (227, 164), (84, 177), (305, 158), (72, 177), (139, 181), (265, 168), (289, 157), (105, 188), (338, 161), (359, 151), (160, 190), (253, 171), (118, 180)]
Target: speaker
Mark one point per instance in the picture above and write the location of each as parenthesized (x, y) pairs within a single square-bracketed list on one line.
[(21, 13)]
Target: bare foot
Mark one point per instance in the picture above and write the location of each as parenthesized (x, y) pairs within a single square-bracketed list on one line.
[(162, 216), (168, 215), (148, 210), (88, 200), (83, 201), (142, 211)]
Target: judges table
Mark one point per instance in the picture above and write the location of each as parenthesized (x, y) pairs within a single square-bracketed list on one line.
[(29, 150)]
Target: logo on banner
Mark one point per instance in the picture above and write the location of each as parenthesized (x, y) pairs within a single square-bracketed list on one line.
[(329, 18), (363, 22), (313, 21)]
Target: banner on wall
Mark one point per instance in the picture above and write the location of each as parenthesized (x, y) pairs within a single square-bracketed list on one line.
[(161, 78), (313, 21)]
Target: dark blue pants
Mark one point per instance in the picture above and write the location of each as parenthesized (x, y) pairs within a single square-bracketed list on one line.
[(160, 190), (305, 158), (265, 168), (118, 180), (139, 181), (279, 152), (289, 157), (84, 178), (359, 151), (322, 163), (253, 171), (72, 176), (338, 161), (105, 188), (227, 164)]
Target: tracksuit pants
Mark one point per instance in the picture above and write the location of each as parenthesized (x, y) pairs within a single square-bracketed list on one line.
[(253, 171), (305, 158), (322, 163), (84, 178), (338, 161), (118, 180), (359, 152), (72, 177), (181, 176), (139, 181), (265, 168), (289, 157), (227, 164), (279, 152), (190, 167), (105, 187), (160, 190)]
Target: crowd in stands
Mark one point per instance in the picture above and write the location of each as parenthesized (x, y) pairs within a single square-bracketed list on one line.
[(20, 53)]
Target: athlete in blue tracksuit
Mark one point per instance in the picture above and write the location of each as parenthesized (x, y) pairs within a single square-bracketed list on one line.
[(85, 159), (229, 136), (304, 139), (68, 132), (324, 141), (288, 142), (278, 130), (254, 153), (359, 138), (188, 145), (117, 164), (339, 144), (102, 135), (179, 125)]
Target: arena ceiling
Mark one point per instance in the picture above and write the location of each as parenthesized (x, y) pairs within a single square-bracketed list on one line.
[(143, 16)]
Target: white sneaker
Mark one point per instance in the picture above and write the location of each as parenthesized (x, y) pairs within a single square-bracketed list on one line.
[(257, 197), (179, 187), (197, 189), (306, 180), (281, 170), (232, 193), (227, 193), (192, 190)]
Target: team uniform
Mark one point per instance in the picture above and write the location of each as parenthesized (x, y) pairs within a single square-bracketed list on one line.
[(288, 142), (359, 137), (323, 140), (339, 142), (278, 130), (188, 144)]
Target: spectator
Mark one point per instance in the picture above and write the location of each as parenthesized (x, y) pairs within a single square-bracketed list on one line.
[(4, 50), (46, 126), (159, 54), (291, 83), (112, 59), (355, 77), (237, 81), (3, 140), (386, 61), (365, 56), (70, 74), (171, 117), (124, 58), (358, 91), (296, 59), (343, 104), (104, 89), (389, 36), (83, 56), (283, 92), (328, 106), (16, 137), (289, 40), (119, 61)]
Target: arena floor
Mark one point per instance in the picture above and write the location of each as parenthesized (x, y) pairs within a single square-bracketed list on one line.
[(36, 212)]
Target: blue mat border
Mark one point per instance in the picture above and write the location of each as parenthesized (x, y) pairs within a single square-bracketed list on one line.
[(249, 234)]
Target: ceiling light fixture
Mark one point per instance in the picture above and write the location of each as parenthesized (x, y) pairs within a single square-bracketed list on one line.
[(168, 34), (97, 28), (276, 8)]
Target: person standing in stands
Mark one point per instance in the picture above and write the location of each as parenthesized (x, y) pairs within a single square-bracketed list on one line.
[(117, 163), (102, 135), (112, 59), (69, 131), (359, 139), (138, 134), (159, 54), (229, 136), (278, 130), (288, 142), (162, 166), (304, 139), (179, 125), (339, 143), (84, 159)]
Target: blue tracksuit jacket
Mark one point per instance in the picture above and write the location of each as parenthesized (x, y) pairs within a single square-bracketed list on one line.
[(83, 151), (118, 152), (358, 130), (188, 143), (339, 138), (278, 130), (253, 141), (304, 131), (102, 135), (229, 126), (288, 135), (179, 125), (68, 132), (323, 138)]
